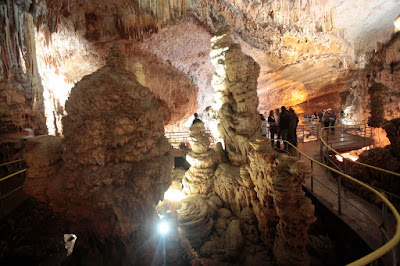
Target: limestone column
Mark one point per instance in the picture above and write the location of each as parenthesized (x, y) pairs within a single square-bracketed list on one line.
[(234, 118)]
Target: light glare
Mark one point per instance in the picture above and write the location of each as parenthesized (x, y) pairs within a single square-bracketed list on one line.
[(163, 228)]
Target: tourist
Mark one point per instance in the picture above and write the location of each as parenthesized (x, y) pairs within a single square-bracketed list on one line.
[(196, 119), (325, 119), (272, 126), (332, 120), (278, 132), (284, 121), (20, 146), (263, 125), (293, 121)]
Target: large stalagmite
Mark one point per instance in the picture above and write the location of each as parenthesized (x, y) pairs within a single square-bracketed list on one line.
[(198, 179), (254, 176), (115, 161)]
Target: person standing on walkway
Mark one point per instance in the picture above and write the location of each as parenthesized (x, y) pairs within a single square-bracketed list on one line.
[(196, 119), (264, 125), (325, 119), (278, 131), (272, 126), (332, 120), (284, 121), (293, 121)]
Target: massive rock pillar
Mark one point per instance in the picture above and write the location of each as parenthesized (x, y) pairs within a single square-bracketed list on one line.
[(115, 162)]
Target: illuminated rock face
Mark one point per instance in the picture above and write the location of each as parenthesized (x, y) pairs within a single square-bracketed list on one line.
[(115, 163), (254, 175), (21, 90), (235, 118), (198, 179)]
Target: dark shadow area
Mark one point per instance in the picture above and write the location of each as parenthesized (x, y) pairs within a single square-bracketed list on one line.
[(348, 245)]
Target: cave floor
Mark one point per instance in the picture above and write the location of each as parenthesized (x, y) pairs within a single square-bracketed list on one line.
[(352, 206)]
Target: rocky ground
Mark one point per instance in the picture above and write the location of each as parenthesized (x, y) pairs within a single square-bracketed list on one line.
[(32, 235)]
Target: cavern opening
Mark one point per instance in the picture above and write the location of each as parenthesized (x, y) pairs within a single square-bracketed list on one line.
[(102, 161)]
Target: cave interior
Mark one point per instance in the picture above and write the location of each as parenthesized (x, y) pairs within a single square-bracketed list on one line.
[(100, 82)]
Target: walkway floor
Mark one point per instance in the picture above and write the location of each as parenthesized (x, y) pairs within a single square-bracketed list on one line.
[(353, 216), (341, 141)]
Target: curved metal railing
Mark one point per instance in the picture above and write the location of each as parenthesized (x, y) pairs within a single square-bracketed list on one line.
[(8, 192), (323, 142), (380, 252)]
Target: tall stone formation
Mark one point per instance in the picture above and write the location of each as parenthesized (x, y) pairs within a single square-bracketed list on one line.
[(115, 164), (198, 179), (255, 178), (21, 90), (283, 211), (235, 117)]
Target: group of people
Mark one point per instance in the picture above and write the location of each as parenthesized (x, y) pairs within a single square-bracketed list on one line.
[(283, 124)]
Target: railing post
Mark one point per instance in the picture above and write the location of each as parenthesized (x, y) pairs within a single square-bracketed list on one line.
[(320, 150), (312, 176), (340, 194), (327, 136), (345, 172), (384, 220), (304, 136)]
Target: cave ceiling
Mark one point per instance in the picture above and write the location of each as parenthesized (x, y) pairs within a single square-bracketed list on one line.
[(307, 49)]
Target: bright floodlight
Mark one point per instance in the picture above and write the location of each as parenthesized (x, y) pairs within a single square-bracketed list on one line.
[(163, 228)]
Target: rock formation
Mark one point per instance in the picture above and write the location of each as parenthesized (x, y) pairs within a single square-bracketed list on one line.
[(386, 158), (278, 181), (21, 90), (198, 179), (254, 175), (234, 186), (235, 118), (115, 163), (392, 128), (195, 220)]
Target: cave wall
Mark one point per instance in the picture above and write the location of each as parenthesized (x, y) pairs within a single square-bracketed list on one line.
[(21, 90), (365, 101)]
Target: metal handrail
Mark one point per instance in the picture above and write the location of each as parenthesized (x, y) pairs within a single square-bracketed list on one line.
[(11, 175), (16, 161), (344, 158), (391, 243)]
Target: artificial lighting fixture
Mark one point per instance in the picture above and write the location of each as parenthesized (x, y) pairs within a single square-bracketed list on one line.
[(163, 228)]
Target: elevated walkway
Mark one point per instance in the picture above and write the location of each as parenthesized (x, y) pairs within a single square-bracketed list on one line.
[(353, 210)]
